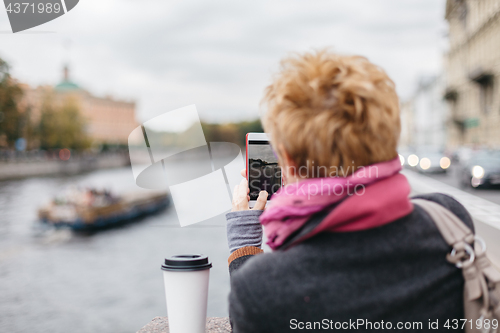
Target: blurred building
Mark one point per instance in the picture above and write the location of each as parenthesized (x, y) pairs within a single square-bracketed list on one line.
[(424, 116), (473, 71), (108, 120), (406, 137), (430, 113)]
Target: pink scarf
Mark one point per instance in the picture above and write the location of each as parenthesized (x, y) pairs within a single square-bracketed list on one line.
[(374, 195)]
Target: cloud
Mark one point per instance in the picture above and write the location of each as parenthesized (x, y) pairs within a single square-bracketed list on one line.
[(219, 54)]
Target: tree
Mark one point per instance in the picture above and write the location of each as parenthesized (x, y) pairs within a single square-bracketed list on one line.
[(62, 126), (245, 127), (12, 120), (230, 132)]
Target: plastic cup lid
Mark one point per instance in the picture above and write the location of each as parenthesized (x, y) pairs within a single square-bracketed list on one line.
[(186, 262)]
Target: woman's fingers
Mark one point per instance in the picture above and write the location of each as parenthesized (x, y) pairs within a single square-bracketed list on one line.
[(240, 201), (241, 197), (261, 201)]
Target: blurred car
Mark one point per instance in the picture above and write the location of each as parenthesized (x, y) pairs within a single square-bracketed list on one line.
[(481, 170), (432, 162), (462, 155)]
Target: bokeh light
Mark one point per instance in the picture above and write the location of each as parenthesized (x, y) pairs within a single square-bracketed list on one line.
[(444, 162), (478, 172), (412, 160), (425, 163)]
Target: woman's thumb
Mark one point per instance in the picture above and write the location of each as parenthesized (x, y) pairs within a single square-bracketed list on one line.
[(260, 204)]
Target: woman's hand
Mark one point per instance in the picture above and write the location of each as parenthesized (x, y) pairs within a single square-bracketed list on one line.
[(241, 197)]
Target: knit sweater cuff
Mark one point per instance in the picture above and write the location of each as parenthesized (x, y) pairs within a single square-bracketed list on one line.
[(244, 229)]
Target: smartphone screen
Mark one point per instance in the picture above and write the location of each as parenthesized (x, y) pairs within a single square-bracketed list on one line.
[(263, 170)]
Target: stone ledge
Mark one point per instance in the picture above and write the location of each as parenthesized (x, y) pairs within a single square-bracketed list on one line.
[(214, 325)]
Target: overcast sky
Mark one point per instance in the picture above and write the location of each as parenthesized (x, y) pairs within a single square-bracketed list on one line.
[(219, 54)]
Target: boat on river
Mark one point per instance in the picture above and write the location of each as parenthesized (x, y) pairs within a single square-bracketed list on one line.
[(96, 209)]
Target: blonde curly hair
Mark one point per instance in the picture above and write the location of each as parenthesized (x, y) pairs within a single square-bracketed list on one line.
[(329, 110)]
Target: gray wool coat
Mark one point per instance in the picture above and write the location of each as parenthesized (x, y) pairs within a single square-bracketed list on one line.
[(362, 281)]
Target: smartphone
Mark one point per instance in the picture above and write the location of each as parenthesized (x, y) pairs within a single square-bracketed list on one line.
[(263, 172)]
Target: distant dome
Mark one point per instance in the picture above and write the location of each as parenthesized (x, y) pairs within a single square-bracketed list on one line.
[(66, 83)]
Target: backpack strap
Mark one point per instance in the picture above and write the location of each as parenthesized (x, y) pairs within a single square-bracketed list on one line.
[(451, 227), (455, 233), (463, 255), (309, 226)]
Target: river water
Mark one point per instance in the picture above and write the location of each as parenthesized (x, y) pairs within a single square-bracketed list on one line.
[(109, 281)]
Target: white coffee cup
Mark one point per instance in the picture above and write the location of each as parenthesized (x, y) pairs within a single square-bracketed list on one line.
[(186, 290)]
